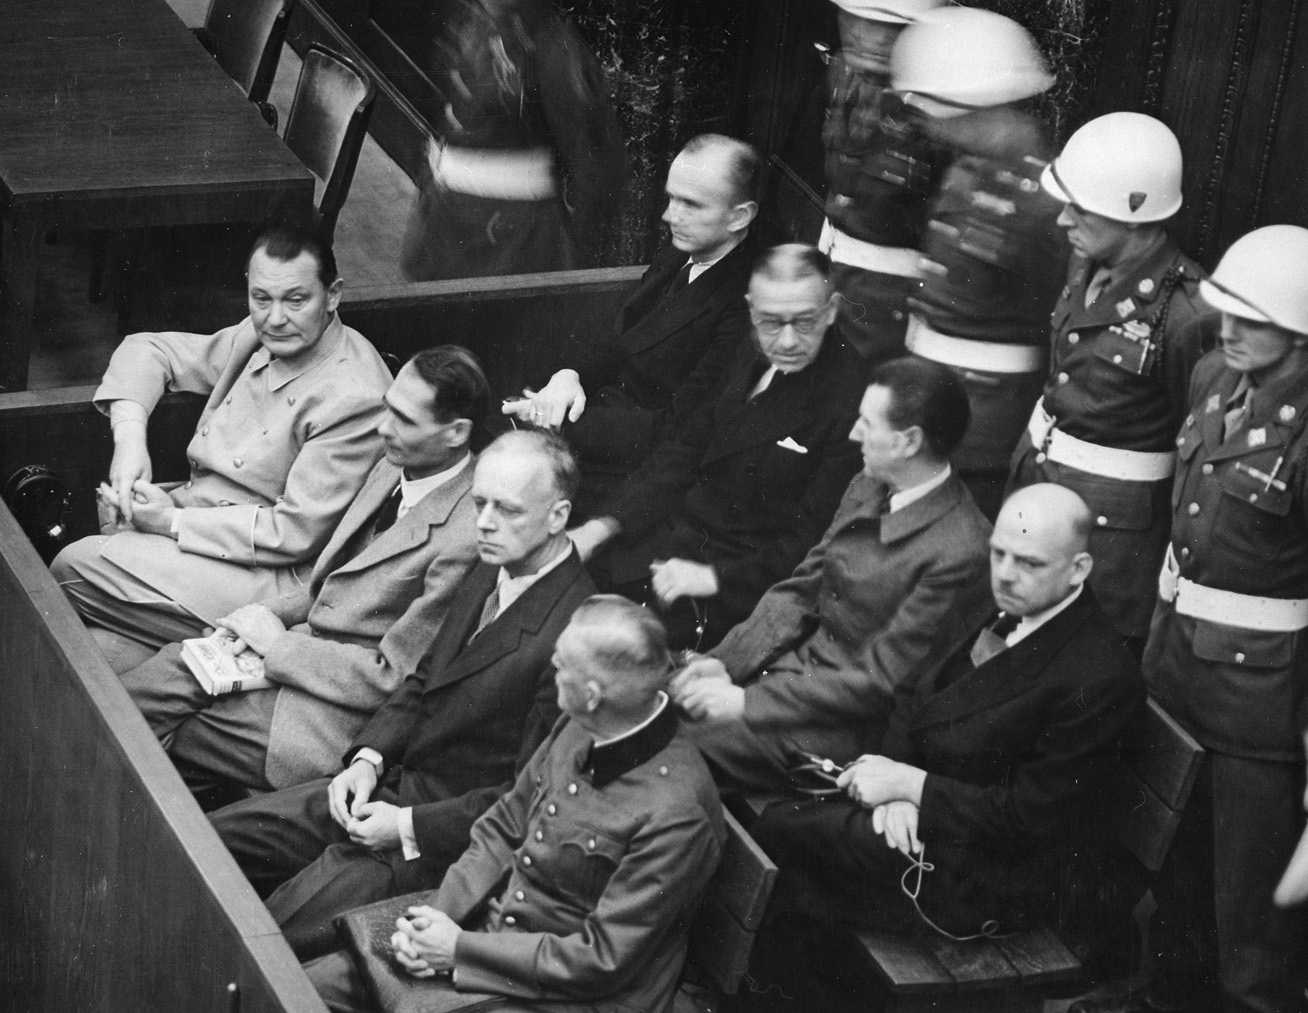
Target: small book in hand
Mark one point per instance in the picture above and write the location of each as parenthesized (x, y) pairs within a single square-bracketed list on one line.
[(219, 670)]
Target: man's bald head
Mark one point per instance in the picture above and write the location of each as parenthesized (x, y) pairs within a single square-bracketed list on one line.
[(1039, 549)]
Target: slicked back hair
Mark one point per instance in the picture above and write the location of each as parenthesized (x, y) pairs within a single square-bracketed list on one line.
[(744, 163), (550, 445), (286, 242), (459, 384), (926, 394), (791, 262)]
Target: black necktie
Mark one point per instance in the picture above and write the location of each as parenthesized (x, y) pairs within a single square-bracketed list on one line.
[(993, 639), (679, 282), (388, 512)]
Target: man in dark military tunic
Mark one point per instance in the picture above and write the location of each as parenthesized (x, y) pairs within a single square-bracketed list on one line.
[(1127, 332), (881, 169), (528, 161), (992, 249), (1226, 654)]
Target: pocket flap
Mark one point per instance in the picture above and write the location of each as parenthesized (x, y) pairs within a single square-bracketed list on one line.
[(1231, 645)]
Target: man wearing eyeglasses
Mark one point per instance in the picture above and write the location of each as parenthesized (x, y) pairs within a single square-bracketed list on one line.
[(730, 506)]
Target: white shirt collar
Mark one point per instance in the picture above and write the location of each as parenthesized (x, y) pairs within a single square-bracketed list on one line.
[(903, 498), (658, 709), (1029, 624), (412, 490), (512, 588)]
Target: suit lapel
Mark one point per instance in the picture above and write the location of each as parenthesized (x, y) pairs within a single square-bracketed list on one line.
[(921, 513), (649, 320), (525, 616), (414, 528), (781, 410), (1008, 674), (381, 481)]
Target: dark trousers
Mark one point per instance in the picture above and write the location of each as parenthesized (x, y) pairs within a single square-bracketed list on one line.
[(1216, 935)]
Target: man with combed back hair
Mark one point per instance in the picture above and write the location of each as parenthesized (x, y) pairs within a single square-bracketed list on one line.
[(336, 648), (989, 777), (579, 885), (285, 441), (449, 740), (729, 507), (675, 336), (895, 584)]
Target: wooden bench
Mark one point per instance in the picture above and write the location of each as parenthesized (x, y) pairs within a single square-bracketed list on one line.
[(1015, 973)]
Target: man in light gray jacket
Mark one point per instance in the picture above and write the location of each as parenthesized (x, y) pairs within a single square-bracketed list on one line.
[(336, 648)]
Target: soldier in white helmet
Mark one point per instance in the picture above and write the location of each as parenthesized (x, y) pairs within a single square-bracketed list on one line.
[(1227, 654), (992, 252), (881, 170), (1127, 332)]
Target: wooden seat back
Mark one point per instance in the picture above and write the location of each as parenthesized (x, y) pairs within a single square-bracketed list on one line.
[(327, 124), (728, 920), (247, 37), (1158, 771)]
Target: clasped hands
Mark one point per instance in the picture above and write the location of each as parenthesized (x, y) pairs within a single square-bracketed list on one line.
[(424, 941), (704, 690), (375, 825), (893, 791), (144, 507)]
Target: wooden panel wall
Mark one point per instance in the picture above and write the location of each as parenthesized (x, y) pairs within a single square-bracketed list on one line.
[(115, 894)]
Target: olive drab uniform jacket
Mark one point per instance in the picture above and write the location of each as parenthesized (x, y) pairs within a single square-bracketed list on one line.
[(1119, 377)]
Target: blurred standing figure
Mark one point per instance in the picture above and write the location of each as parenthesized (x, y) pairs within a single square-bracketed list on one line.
[(881, 170), (528, 161), (1127, 332), (992, 252)]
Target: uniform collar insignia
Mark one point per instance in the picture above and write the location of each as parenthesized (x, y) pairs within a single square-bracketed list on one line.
[(1257, 437), (1286, 414), (1146, 286), (1126, 307), (1214, 402)]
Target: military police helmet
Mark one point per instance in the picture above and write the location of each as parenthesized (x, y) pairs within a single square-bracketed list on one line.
[(1261, 278), (895, 12), (954, 59), (1124, 166)]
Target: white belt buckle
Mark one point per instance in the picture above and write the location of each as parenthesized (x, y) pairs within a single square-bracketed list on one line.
[(1168, 575), (1041, 424)]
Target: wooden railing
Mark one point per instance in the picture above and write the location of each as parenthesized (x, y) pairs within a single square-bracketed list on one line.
[(115, 893)]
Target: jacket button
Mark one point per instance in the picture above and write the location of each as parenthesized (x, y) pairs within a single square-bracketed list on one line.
[(663, 771), (290, 400), (237, 462), (526, 859), (229, 399), (1101, 520), (1185, 552), (314, 633), (1193, 509), (591, 844), (1041, 457), (1117, 360), (1073, 338), (520, 895), (510, 920), (189, 484), (540, 836), (1239, 657), (1207, 469), (572, 789), (1063, 378), (204, 431), (551, 808)]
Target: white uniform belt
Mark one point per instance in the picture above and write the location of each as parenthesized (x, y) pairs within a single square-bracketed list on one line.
[(494, 173), (1243, 611), (843, 248), (982, 356), (1123, 465)]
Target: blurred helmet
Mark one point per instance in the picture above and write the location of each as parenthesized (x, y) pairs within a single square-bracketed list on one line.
[(895, 12), (968, 58), (1264, 277), (1124, 166)]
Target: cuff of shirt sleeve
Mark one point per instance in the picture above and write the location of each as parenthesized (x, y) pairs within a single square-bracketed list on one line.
[(372, 756), (408, 839)]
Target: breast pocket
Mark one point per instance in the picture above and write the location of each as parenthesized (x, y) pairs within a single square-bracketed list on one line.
[(1119, 357), (1252, 519), (587, 860), (1121, 506)]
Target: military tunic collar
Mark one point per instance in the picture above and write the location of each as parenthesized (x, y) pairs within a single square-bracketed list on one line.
[(280, 374), (607, 761)]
